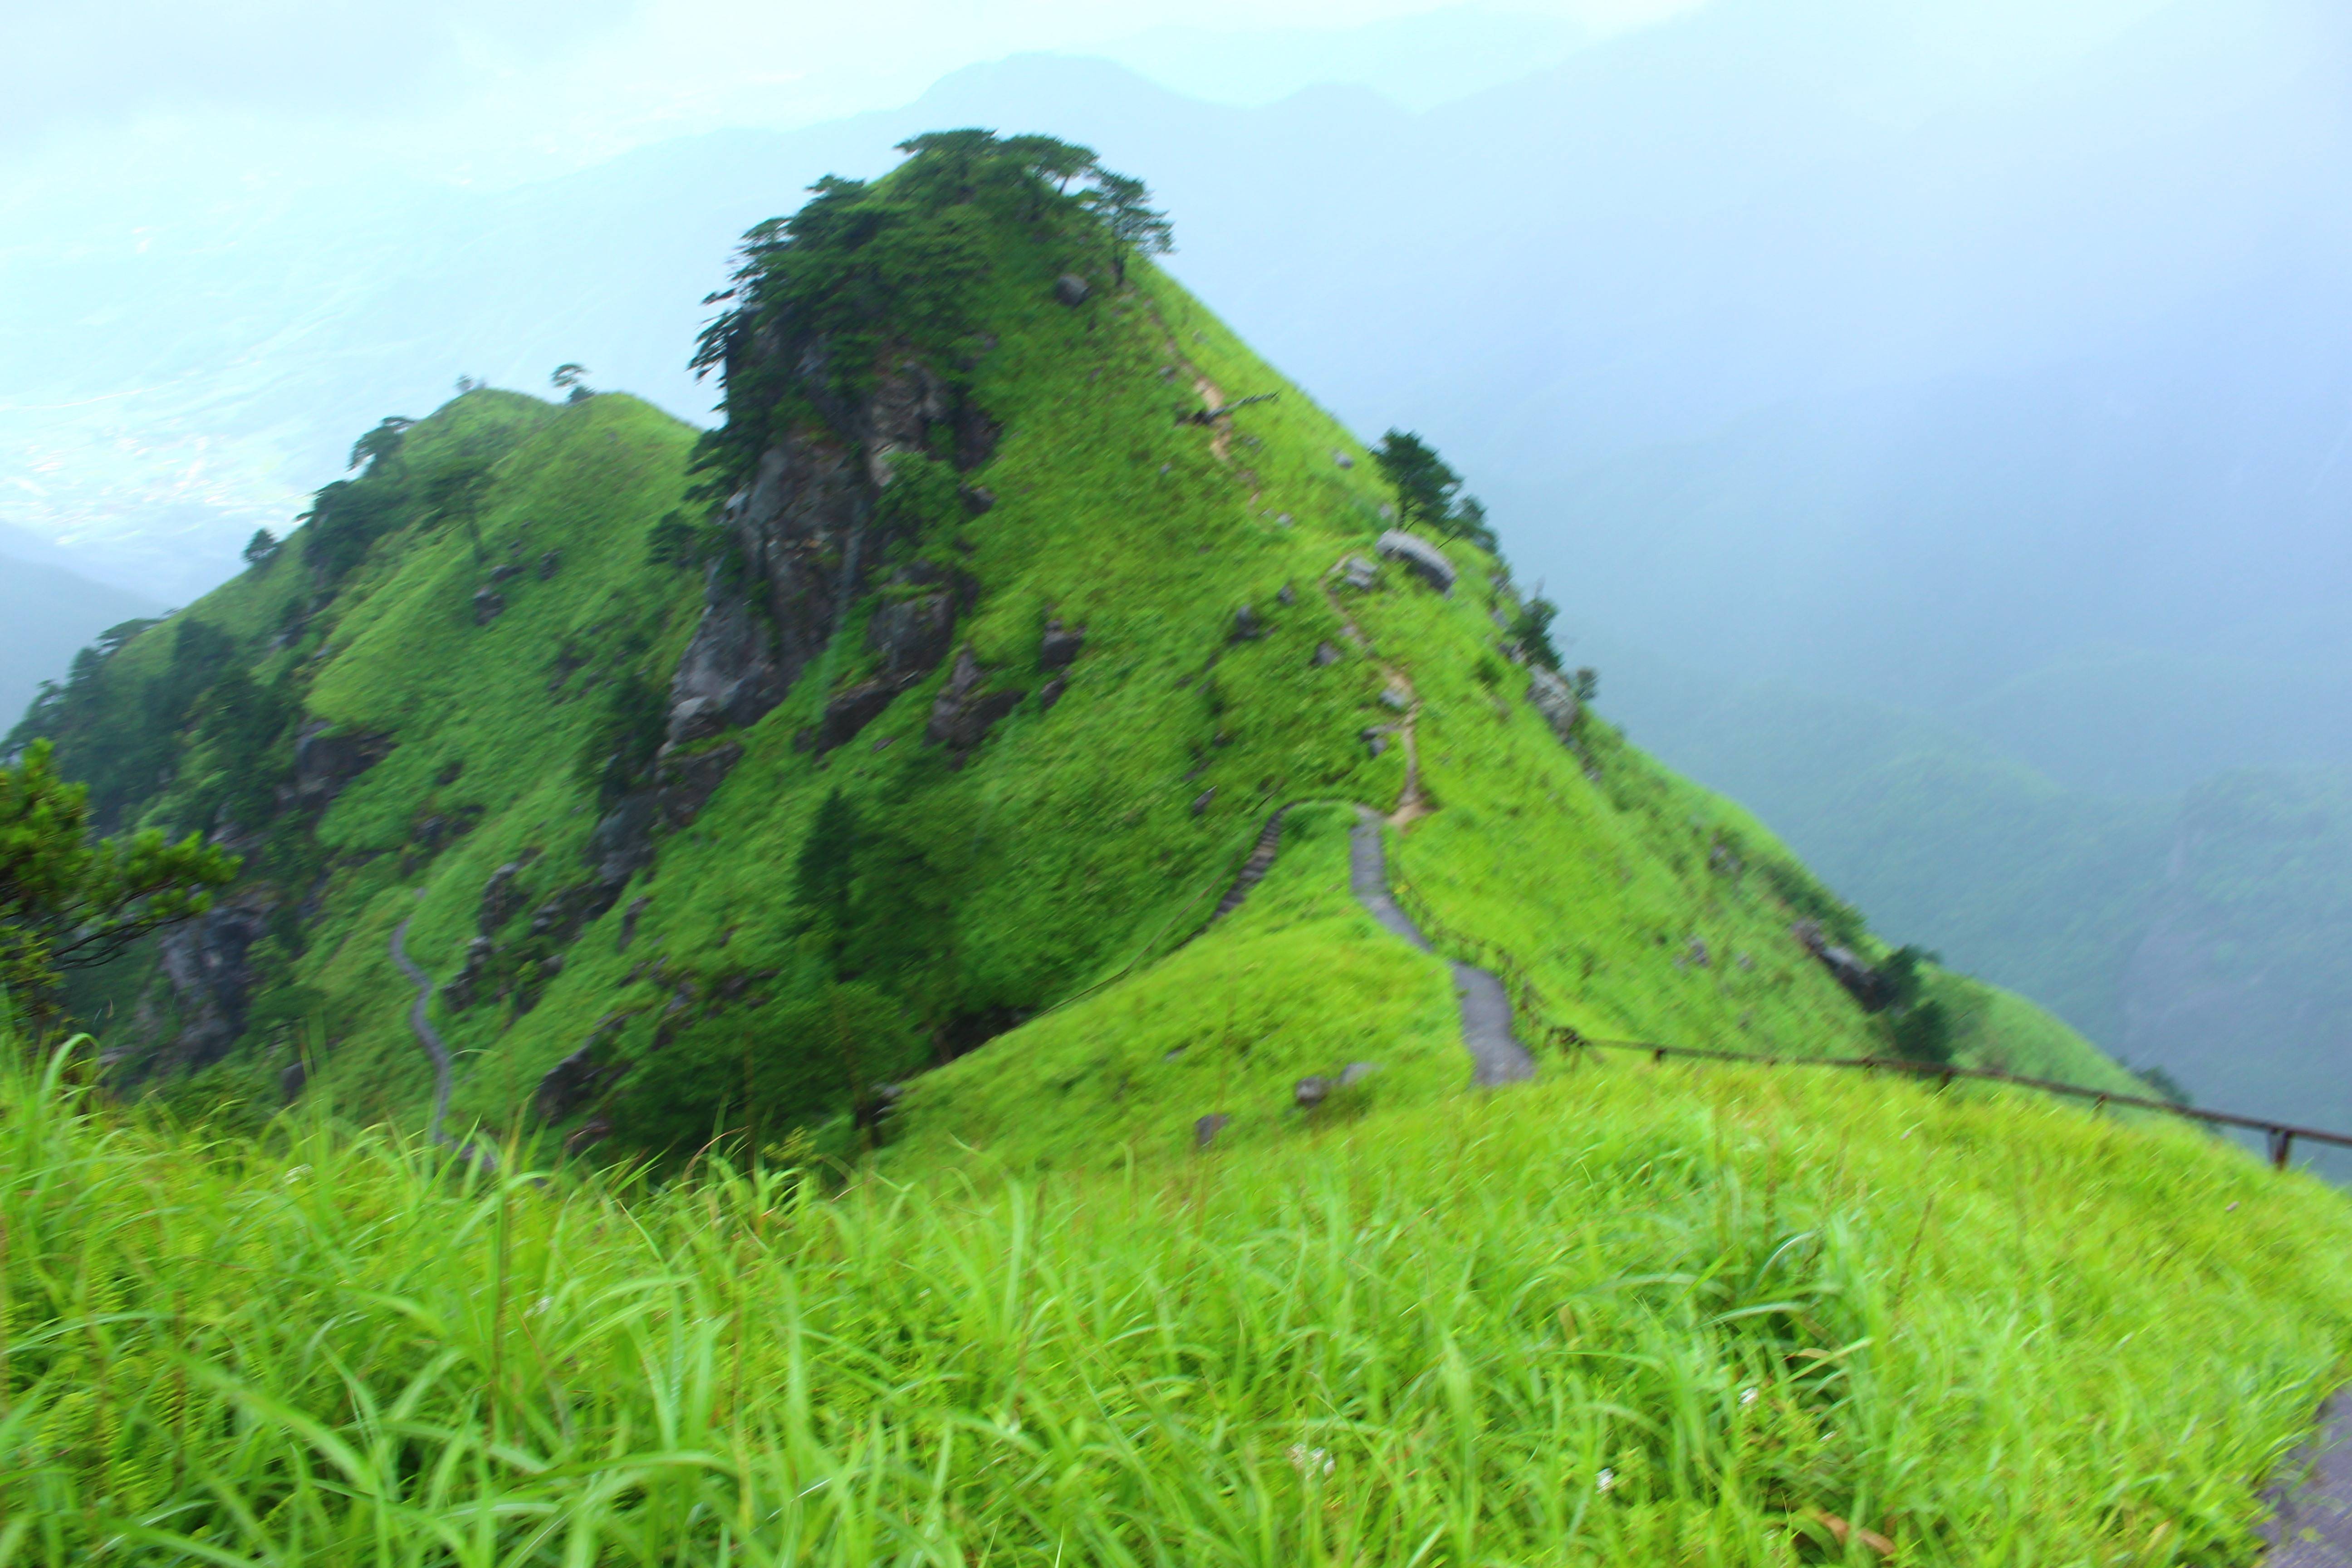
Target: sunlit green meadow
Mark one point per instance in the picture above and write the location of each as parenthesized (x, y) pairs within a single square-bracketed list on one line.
[(1630, 1314)]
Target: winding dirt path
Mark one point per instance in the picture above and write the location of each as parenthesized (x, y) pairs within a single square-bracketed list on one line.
[(1497, 1056), (430, 1038), (1411, 804)]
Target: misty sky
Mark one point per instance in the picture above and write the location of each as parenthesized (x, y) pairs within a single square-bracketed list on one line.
[(501, 89)]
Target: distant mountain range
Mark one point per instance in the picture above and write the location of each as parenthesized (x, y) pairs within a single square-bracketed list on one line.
[(47, 611)]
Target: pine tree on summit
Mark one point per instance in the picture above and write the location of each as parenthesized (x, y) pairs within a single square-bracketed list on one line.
[(1424, 486), (1121, 204), (1426, 489)]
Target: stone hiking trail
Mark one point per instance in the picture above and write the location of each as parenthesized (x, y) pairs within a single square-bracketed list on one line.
[(1497, 1056), (2312, 1526), (434, 1047)]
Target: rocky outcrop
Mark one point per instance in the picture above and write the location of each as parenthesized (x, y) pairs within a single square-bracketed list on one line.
[(489, 606), (684, 784), (1862, 983), (1555, 699), (1420, 557), (503, 898), (696, 719), (1071, 290), (801, 535), (1358, 573), (571, 1084), (463, 989), (559, 920), (849, 710), (913, 635), (963, 713), (622, 843), (730, 672), (629, 918), (1061, 645), (325, 764), (204, 961)]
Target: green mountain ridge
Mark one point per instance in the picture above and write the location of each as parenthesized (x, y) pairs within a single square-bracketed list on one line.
[(1057, 630), (812, 835)]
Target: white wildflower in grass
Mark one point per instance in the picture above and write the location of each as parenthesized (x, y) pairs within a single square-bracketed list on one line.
[(1747, 1398), (543, 1303), (1309, 1461), (297, 1174), (1605, 1481)]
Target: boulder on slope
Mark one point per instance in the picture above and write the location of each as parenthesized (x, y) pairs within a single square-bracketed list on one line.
[(1422, 558)]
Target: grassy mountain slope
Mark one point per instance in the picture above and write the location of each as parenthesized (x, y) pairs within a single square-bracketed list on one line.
[(474, 616), (1636, 1315), (908, 731)]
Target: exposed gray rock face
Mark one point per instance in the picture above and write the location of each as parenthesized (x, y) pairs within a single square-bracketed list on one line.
[(503, 898), (324, 764), (463, 989), (682, 786), (1344, 460), (913, 635), (1424, 558), (570, 1084), (696, 719), (1862, 983), (1071, 290), (1310, 1093), (629, 918), (1206, 1131), (1358, 573), (506, 574), (801, 531), (1247, 627), (851, 709), (1200, 802), (623, 844), (963, 714), (1325, 654), (205, 960), (731, 663), (1061, 645), (1555, 699), (1288, 597), (489, 606), (976, 499), (567, 910), (1051, 692), (1357, 1072)]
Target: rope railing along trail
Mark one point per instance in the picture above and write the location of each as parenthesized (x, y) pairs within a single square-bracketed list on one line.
[(2280, 1137)]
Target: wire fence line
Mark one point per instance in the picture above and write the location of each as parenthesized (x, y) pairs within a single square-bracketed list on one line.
[(1533, 1017)]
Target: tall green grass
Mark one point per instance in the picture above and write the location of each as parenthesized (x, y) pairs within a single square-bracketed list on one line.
[(1633, 1315)]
